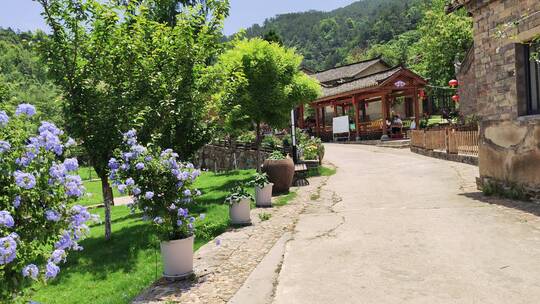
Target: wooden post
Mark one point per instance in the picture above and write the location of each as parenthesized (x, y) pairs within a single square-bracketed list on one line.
[(317, 122), (384, 114), (416, 108), (323, 117), (335, 109), (356, 117)]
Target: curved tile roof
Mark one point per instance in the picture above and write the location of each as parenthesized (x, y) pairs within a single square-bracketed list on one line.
[(344, 72)]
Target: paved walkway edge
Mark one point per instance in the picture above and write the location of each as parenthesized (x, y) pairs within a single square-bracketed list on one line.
[(260, 285)]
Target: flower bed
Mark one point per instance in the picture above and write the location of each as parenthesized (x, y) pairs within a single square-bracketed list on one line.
[(39, 221)]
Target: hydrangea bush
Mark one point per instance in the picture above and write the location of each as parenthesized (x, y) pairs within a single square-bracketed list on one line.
[(39, 220), (161, 186)]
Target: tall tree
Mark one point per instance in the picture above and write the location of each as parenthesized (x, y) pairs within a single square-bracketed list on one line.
[(121, 69), (262, 82)]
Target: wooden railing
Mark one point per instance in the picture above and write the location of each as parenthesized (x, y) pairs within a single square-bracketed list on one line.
[(450, 140)]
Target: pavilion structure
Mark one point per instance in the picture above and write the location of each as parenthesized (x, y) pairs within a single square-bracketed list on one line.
[(368, 92)]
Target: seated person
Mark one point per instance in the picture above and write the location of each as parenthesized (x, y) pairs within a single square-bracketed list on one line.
[(397, 124)]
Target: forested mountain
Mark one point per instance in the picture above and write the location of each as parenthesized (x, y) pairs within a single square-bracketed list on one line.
[(23, 77), (417, 33), (326, 39)]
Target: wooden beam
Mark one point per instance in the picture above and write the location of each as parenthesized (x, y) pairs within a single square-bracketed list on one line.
[(356, 117), (416, 108), (317, 122), (384, 114)]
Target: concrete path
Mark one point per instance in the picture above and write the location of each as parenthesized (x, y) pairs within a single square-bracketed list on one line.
[(395, 227)]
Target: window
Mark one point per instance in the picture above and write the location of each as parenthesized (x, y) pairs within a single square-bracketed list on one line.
[(532, 78)]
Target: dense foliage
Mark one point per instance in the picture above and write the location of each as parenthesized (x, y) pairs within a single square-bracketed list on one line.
[(261, 82), (120, 67), (23, 77), (39, 222), (326, 39), (432, 49), (161, 185)]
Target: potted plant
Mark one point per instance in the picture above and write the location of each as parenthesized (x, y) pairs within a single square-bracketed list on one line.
[(280, 172), (239, 206), (263, 190), (162, 188)]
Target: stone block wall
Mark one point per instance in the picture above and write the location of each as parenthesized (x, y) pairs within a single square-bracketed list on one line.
[(509, 141), (467, 86), (218, 158)]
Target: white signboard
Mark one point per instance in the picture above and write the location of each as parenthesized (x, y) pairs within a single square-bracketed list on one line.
[(340, 125)]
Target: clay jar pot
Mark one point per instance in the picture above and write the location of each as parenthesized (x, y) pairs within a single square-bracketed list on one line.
[(280, 173)]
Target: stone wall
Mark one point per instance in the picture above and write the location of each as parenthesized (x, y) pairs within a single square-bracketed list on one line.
[(467, 86), (509, 141), (218, 158)]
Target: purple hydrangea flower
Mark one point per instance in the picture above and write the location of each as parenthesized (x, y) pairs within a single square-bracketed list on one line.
[(6, 219), (113, 164), (138, 149), (8, 249), (136, 191), (130, 182), (31, 271), (17, 201), (71, 164), (49, 126), (121, 188), (148, 158), (26, 109), (70, 142), (80, 216), (58, 173), (51, 271), (182, 212), (4, 118), (191, 219), (52, 216), (158, 220), (139, 166), (130, 134), (64, 242), (4, 146), (172, 207), (127, 156), (74, 186), (202, 216), (24, 180), (58, 255), (149, 195), (187, 192), (190, 226), (179, 223)]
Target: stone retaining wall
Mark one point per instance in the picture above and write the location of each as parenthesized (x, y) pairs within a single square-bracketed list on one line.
[(466, 159), (218, 158)]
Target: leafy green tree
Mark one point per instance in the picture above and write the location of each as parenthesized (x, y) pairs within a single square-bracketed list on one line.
[(273, 36), (119, 69), (262, 82), (443, 39)]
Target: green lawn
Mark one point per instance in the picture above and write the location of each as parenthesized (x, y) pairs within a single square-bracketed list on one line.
[(87, 173), (93, 194), (118, 270)]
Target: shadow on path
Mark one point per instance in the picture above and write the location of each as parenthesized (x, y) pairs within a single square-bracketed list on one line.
[(529, 207)]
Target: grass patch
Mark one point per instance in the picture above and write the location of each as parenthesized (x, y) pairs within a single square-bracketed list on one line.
[(265, 216), (87, 173), (117, 271), (285, 199), (93, 194), (321, 171)]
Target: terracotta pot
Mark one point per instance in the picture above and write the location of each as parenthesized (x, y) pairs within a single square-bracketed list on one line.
[(263, 196), (240, 212), (177, 258), (280, 173)]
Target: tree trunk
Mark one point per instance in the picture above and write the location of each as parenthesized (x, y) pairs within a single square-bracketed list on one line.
[(258, 145), (108, 200)]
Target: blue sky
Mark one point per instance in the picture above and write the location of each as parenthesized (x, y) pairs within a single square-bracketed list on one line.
[(25, 14)]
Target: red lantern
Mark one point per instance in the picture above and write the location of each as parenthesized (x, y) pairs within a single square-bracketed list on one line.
[(422, 94), (453, 83), (455, 98)]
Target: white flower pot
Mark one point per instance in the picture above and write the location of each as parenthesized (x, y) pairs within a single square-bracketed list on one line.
[(263, 196), (240, 212), (177, 258)]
